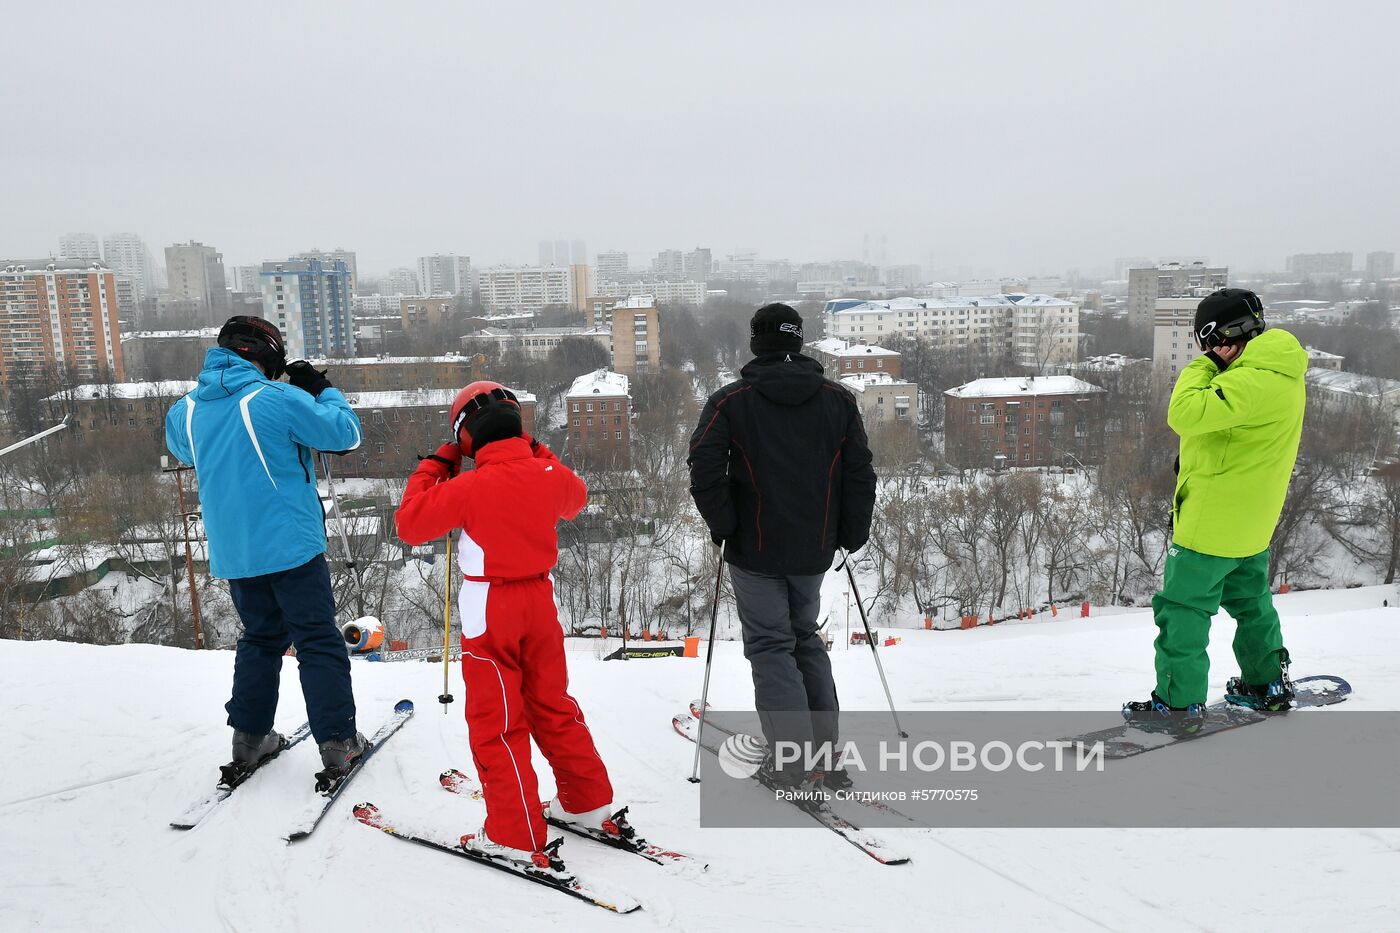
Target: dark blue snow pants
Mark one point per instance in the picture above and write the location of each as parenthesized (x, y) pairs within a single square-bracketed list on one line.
[(291, 607)]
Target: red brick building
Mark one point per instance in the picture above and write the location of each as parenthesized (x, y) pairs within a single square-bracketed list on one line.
[(1024, 421), (401, 425), (58, 314), (599, 406), (841, 358)]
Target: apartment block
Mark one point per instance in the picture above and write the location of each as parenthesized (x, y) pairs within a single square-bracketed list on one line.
[(1034, 330), (843, 358), (400, 425), (1168, 280), (309, 299), (528, 289), (195, 273), (58, 315), (420, 311), (1023, 422), (599, 409), (1173, 343)]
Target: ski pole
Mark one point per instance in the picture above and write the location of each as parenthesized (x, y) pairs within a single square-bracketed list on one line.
[(344, 538), (709, 659), (855, 591), (446, 697)]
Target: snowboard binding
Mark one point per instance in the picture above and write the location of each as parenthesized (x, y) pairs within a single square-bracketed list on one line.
[(1154, 715), (1277, 696)]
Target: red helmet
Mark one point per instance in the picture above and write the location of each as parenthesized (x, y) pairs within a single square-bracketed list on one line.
[(472, 400)]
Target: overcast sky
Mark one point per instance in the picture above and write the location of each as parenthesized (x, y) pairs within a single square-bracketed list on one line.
[(1016, 137)]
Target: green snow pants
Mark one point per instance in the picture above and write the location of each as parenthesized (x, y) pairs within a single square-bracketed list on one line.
[(1194, 587)]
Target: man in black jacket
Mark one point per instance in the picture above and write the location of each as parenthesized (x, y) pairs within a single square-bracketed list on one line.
[(781, 472)]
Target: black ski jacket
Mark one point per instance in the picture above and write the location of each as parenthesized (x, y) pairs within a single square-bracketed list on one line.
[(780, 468)]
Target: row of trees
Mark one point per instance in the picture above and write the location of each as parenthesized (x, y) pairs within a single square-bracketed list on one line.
[(944, 541)]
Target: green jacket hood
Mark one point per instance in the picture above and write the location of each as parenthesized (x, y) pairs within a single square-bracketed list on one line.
[(1277, 351)]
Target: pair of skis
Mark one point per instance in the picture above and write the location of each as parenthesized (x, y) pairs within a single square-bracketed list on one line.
[(458, 783), (688, 727), (307, 822)]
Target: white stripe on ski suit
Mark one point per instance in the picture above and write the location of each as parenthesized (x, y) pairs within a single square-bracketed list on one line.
[(505, 704), (189, 425), (253, 435)]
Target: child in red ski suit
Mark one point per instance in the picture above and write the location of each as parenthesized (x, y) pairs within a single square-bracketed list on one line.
[(512, 643)]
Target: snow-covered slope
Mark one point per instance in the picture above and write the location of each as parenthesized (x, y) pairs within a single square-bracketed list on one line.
[(104, 745)]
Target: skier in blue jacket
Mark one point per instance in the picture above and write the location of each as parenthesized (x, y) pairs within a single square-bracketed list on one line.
[(250, 439)]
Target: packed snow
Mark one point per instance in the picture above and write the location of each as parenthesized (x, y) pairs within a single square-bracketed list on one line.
[(105, 745)]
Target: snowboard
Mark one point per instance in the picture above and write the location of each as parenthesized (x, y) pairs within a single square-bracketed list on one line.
[(1128, 739)]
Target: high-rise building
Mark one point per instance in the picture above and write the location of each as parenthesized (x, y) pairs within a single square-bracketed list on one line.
[(526, 289), (636, 336), (446, 274), (612, 266), (58, 314), (1173, 324), (78, 246), (696, 265), (580, 286), (1379, 265), (563, 253), (346, 256), (196, 274), (1319, 263), (128, 257), (1168, 280), (248, 279), (310, 300), (905, 276), (669, 263), (400, 281)]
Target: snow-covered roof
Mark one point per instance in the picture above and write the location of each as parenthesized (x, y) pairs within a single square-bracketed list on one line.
[(835, 346), (1031, 386), (980, 301), (1112, 361), (599, 382), (392, 360), (1315, 354), (417, 398), (859, 382), (203, 333), (492, 332), (1336, 380), (170, 388)]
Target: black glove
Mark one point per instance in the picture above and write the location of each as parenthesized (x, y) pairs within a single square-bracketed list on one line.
[(305, 377), (495, 423), (1210, 355)]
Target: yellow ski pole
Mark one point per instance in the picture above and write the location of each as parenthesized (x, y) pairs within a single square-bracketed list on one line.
[(446, 696)]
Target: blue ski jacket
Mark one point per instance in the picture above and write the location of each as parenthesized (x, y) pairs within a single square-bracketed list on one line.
[(250, 441)]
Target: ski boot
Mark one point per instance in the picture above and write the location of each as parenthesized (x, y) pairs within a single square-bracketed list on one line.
[(544, 863), (601, 822), (1154, 715), (250, 752), (837, 779), (338, 756), (1274, 697)]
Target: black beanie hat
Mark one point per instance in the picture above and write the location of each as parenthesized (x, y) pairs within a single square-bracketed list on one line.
[(775, 328), (1229, 315)]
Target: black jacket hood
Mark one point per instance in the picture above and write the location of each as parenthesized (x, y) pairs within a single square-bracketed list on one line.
[(784, 378)]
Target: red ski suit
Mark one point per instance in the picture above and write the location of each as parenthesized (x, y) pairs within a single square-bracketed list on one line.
[(512, 644)]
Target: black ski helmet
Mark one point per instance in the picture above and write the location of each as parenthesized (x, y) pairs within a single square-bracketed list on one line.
[(255, 339), (1229, 315)]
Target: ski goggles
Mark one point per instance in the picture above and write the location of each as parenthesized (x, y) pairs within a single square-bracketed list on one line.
[(481, 402), (1213, 334)]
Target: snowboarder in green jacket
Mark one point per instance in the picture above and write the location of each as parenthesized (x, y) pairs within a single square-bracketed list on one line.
[(1239, 412)]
